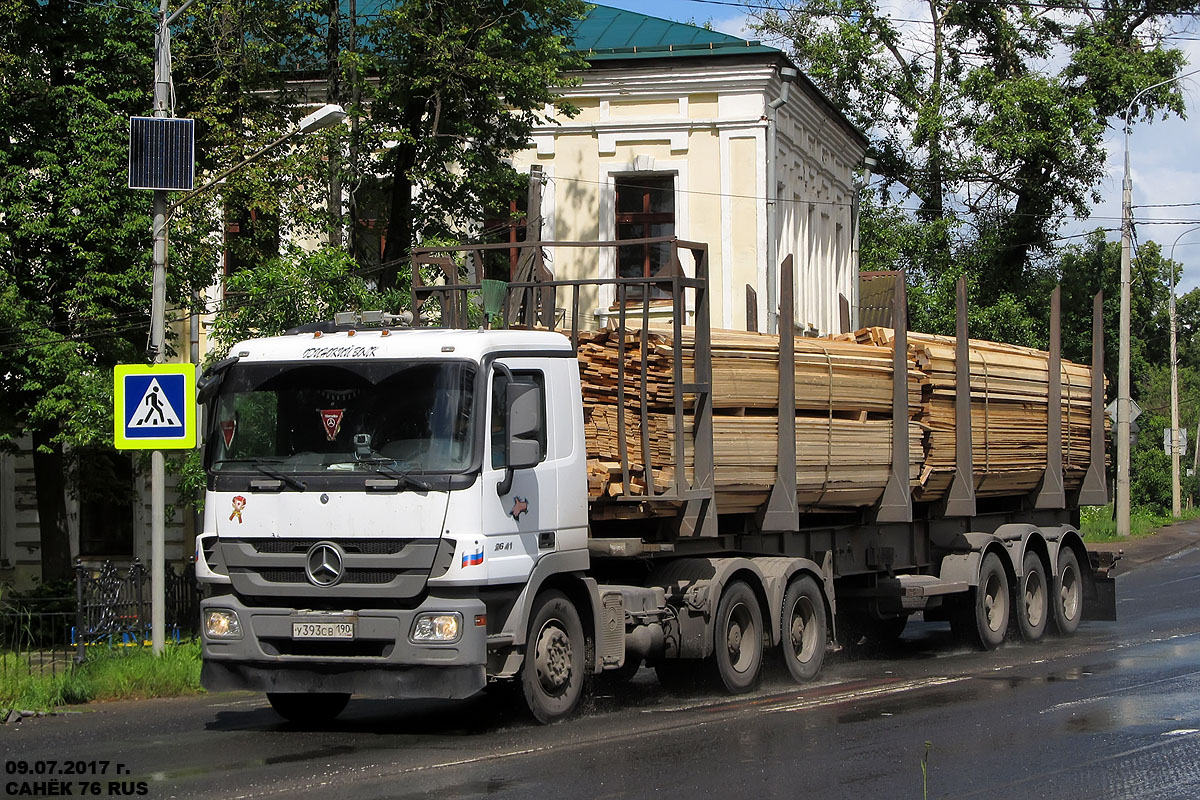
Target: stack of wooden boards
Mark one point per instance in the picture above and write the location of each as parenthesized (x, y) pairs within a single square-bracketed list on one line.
[(1009, 394), (843, 416)]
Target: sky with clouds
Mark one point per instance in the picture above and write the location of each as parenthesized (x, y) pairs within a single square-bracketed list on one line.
[(1164, 156)]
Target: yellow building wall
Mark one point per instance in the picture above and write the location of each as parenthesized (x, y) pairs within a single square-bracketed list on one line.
[(581, 179), (744, 258)]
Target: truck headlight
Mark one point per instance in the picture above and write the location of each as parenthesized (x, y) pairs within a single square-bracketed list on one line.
[(437, 627), (222, 624)]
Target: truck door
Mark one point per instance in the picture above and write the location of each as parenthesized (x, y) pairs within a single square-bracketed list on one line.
[(514, 521)]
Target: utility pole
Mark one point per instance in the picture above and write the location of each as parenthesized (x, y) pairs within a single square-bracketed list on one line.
[(1123, 354), (158, 311), (1176, 440), (1123, 388)]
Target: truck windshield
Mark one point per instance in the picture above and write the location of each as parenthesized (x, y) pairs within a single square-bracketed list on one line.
[(369, 416)]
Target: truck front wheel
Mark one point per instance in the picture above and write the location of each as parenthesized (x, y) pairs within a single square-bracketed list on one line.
[(553, 674), (803, 634), (308, 708)]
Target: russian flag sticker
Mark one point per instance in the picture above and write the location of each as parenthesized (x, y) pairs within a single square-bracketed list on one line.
[(475, 558)]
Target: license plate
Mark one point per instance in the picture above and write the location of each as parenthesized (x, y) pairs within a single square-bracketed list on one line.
[(322, 630)]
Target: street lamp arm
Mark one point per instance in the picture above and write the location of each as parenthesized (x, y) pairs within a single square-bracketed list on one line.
[(219, 177), (321, 118), (1150, 88)]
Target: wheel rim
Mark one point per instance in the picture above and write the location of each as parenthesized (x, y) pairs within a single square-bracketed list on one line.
[(802, 630), (552, 658), (739, 638), (993, 602), (1068, 593), (1035, 599)]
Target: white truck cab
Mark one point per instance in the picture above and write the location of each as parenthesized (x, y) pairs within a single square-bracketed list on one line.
[(378, 502)]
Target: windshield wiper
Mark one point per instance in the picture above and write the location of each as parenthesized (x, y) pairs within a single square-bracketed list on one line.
[(258, 464), (402, 476)]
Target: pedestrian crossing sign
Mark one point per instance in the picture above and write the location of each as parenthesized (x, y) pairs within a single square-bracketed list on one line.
[(154, 407)]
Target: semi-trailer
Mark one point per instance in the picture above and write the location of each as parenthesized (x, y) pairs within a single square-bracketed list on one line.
[(406, 510)]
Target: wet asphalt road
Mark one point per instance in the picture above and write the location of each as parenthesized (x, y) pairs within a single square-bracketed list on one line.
[(1113, 712)]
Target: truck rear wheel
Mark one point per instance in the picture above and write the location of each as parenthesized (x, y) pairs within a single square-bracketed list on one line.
[(982, 616), (1033, 599), (1068, 593), (553, 674), (738, 638), (308, 708), (803, 632)]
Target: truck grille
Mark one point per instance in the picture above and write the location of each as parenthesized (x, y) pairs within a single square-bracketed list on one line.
[(373, 547), (395, 569), (285, 575)]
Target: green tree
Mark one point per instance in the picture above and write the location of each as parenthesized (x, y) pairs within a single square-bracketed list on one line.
[(988, 117), (74, 241), (233, 68), (457, 89), (299, 287)]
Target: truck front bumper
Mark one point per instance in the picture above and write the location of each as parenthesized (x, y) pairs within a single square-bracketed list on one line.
[(380, 661)]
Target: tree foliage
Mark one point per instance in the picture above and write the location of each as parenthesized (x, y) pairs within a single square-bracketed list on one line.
[(298, 287), (987, 121), (74, 241), (457, 87)]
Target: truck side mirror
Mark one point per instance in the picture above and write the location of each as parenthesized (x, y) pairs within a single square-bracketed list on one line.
[(523, 423), (210, 381)]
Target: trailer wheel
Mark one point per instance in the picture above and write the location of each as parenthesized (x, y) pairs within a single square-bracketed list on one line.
[(1033, 599), (983, 616), (308, 708), (553, 673), (803, 633), (1068, 593), (738, 638)]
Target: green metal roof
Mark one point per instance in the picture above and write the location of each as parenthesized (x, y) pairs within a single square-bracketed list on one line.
[(613, 33)]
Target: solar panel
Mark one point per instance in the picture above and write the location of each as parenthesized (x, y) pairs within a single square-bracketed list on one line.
[(161, 153)]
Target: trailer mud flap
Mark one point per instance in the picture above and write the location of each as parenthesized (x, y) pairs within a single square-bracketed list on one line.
[(1100, 594), (1100, 601)]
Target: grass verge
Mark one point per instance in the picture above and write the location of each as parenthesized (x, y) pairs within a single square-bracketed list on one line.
[(117, 673), (1097, 524)]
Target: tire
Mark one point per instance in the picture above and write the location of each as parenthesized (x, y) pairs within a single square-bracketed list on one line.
[(308, 708), (1033, 599), (738, 638), (983, 617), (1067, 601), (803, 629), (554, 672)]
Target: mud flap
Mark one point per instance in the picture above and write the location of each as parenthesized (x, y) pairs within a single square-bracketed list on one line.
[(1100, 593)]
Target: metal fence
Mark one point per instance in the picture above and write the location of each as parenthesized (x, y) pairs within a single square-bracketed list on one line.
[(111, 607)]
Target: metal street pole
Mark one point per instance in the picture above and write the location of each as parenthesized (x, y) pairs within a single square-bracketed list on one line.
[(1176, 511), (158, 310), (1123, 388), (1176, 502), (1123, 353)]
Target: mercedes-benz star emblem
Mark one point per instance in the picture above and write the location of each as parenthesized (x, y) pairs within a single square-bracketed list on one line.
[(324, 564)]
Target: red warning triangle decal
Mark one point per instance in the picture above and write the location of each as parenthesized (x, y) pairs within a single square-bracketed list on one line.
[(228, 429)]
